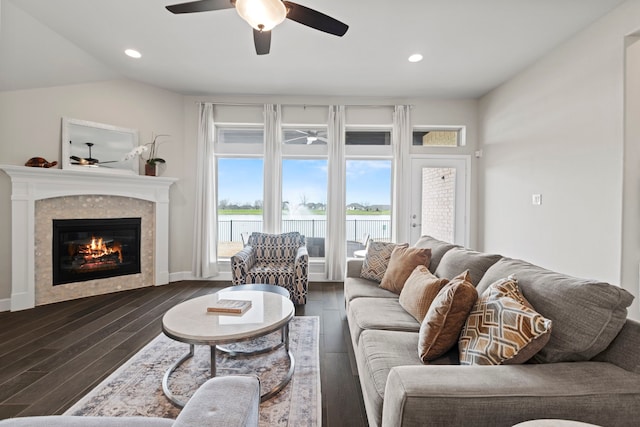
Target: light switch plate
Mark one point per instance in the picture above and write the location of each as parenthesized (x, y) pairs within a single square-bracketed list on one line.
[(536, 199)]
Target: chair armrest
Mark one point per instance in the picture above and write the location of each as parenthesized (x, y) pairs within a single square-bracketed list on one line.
[(223, 401), (241, 263), (302, 256)]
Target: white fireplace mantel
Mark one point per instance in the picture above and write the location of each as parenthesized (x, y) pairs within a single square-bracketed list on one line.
[(31, 184)]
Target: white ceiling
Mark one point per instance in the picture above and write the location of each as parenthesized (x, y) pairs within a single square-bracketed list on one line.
[(470, 46)]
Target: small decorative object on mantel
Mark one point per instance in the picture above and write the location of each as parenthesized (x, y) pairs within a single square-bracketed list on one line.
[(39, 162), (153, 163)]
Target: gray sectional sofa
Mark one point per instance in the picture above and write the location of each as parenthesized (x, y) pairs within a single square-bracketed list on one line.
[(588, 371)]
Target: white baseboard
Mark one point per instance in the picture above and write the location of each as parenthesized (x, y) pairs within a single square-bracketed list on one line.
[(5, 304)]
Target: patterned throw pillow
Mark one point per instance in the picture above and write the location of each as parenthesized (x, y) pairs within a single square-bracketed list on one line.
[(401, 264), (441, 326), (377, 259), (502, 328), (419, 291)]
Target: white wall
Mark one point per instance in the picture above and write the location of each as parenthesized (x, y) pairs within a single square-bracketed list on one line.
[(30, 125), (631, 207), (558, 129)]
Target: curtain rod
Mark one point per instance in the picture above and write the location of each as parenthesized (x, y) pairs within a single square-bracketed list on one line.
[(255, 104)]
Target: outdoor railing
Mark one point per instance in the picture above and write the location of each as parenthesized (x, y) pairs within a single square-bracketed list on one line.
[(377, 229)]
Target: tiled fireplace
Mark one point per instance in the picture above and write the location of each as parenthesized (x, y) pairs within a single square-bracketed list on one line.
[(77, 234)]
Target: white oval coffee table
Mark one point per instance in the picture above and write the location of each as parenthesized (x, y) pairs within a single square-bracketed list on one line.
[(189, 322)]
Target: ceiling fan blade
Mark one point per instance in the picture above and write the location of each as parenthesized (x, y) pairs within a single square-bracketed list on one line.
[(323, 139), (295, 139), (314, 19), (262, 41), (200, 6)]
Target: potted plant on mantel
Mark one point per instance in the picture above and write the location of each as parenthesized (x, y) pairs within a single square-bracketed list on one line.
[(152, 163)]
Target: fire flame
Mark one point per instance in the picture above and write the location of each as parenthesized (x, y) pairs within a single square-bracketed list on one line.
[(97, 249)]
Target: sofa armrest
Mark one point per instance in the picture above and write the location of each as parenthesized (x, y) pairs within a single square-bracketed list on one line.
[(593, 392), (623, 350), (354, 266), (241, 263), (223, 401)]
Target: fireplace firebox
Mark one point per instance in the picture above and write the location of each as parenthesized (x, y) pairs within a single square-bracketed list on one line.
[(88, 249)]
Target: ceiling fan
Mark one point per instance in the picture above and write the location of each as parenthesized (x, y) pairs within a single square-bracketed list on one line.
[(89, 161), (311, 136), (263, 15)]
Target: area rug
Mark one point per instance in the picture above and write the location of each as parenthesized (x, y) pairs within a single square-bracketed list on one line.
[(135, 389)]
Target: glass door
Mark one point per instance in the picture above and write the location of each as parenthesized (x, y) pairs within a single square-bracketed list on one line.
[(439, 199)]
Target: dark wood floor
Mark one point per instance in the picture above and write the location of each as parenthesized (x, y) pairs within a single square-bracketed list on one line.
[(52, 355)]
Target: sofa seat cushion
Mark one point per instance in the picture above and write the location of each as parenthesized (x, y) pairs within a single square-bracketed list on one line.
[(379, 313), (594, 392), (457, 260), (586, 314), (379, 351), (438, 249), (355, 287)]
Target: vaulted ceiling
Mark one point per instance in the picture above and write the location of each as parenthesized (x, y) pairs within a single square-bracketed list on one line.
[(469, 46)]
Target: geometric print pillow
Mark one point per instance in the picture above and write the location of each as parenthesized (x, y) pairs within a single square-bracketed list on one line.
[(377, 259), (502, 328)]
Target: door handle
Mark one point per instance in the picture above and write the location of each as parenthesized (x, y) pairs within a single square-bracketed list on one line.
[(414, 225)]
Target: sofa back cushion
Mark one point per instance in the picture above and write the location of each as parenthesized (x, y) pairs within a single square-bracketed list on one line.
[(438, 249), (276, 247), (457, 260), (586, 314)]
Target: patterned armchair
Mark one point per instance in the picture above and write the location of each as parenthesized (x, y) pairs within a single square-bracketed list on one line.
[(275, 259)]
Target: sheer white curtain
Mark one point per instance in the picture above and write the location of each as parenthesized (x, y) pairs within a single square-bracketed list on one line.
[(335, 240), (206, 217), (272, 204), (401, 180)]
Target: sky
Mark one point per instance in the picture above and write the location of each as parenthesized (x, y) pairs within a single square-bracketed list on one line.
[(240, 181)]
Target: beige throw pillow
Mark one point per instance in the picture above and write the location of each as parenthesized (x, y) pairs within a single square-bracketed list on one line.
[(445, 318), (377, 258), (419, 291), (402, 262), (502, 328)]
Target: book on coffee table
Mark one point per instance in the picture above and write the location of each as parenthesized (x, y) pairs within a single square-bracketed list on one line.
[(233, 306)]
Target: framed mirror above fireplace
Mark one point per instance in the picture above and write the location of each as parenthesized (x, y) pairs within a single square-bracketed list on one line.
[(97, 147)]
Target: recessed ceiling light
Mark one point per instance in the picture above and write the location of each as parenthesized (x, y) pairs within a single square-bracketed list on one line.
[(416, 57), (133, 53)]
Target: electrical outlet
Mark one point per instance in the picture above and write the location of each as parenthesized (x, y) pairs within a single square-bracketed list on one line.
[(536, 199)]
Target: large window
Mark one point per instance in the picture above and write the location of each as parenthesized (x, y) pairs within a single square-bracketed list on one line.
[(304, 201), (368, 202), (239, 202)]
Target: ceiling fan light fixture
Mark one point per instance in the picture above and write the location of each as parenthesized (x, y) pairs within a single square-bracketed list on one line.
[(262, 15)]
